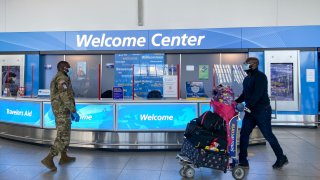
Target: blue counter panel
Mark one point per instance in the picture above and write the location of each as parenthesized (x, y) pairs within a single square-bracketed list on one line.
[(19, 112), (92, 116), (203, 107), (155, 116)]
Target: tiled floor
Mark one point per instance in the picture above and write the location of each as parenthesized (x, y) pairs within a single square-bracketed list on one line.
[(19, 161)]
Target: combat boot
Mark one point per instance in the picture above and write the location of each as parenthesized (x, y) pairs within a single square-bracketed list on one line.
[(48, 162), (65, 158)]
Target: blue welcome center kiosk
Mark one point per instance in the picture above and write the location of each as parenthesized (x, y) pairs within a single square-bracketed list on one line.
[(288, 56)]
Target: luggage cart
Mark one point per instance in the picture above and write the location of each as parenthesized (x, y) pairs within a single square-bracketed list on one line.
[(229, 161)]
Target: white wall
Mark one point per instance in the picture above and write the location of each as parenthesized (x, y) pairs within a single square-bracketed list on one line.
[(74, 15), (2, 15)]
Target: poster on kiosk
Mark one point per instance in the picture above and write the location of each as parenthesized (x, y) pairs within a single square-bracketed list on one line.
[(281, 69), (12, 75)]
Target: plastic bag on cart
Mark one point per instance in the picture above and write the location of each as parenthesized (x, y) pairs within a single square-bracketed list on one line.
[(223, 102)]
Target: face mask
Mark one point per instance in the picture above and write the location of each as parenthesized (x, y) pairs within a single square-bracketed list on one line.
[(246, 67), (69, 73), (14, 79)]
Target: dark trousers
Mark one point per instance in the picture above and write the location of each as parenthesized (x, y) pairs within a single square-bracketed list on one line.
[(261, 118)]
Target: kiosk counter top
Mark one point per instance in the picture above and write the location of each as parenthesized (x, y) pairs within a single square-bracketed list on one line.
[(105, 123)]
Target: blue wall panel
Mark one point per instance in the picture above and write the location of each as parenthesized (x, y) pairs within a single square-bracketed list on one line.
[(309, 90), (32, 87)]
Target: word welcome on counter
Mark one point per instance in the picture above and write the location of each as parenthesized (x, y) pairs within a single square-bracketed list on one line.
[(153, 117)]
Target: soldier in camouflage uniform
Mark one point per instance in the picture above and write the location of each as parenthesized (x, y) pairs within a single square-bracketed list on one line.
[(63, 105)]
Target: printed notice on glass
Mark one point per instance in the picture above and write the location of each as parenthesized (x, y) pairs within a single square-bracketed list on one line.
[(170, 85), (310, 75), (190, 68)]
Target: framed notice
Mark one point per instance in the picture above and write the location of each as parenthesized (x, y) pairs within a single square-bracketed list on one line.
[(203, 71), (195, 89), (117, 92)]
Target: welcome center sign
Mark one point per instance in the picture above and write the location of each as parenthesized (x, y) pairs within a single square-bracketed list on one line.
[(154, 39)]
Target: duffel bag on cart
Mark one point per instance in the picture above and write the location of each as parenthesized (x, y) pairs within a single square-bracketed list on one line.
[(201, 158), (198, 135)]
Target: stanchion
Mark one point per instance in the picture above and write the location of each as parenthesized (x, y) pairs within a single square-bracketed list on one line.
[(178, 76), (7, 84), (32, 79), (132, 82), (213, 77), (99, 82)]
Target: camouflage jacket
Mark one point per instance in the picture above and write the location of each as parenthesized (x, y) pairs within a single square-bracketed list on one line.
[(61, 94)]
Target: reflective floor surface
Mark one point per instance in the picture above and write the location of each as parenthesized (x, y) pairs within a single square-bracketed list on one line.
[(20, 161)]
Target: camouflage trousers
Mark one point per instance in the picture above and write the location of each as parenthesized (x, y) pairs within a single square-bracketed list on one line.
[(61, 143)]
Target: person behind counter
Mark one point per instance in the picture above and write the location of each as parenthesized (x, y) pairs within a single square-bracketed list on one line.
[(10, 88), (63, 107)]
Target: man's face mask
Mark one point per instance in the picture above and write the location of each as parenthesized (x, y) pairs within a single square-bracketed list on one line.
[(69, 73), (246, 66)]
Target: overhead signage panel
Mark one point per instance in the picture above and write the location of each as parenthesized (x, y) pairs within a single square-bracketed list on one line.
[(281, 37), (32, 41), (176, 39), (155, 39)]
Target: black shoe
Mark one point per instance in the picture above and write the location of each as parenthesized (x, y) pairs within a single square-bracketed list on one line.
[(280, 162), (245, 165)]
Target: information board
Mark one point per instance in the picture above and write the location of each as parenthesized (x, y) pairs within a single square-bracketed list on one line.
[(148, 72)]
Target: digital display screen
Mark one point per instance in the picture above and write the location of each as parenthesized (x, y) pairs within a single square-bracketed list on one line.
[(20, 112), (92, 116), (155, 116)]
